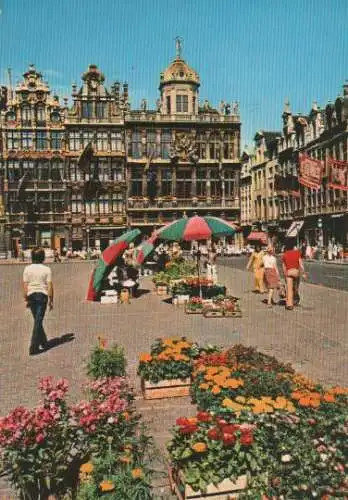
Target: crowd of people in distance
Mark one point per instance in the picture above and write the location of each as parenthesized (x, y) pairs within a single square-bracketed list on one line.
[(333, 251), (268, 278)]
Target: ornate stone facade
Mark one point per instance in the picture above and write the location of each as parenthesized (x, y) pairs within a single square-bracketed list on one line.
[(76, 176), (277, 197)]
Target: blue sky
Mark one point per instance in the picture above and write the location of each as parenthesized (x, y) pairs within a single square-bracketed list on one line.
[(255, 51)]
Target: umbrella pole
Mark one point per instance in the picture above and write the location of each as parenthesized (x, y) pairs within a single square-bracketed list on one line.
[(198, 272)]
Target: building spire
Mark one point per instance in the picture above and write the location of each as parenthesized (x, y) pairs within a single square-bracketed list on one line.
[(178, 46)]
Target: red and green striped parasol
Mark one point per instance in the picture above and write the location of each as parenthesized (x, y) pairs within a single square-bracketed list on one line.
[(196, 228), (144, 250), (107, 261)]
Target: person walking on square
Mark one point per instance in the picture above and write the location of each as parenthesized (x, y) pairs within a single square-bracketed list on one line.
[(272, 277), (292, 268), (38, 293), (256, 263), (211, 264)]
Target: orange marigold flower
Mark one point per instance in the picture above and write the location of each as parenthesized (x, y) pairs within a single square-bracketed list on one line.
[(87, 468), (199, 447), (216, 389), (329, 398), (297, 395), (137, 473), (126, 416), (145, 357), (192, 420), (233, 383), (339, 391), (167, 342), (107, 485)]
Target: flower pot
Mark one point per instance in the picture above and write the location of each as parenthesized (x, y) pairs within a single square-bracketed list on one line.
[(226, 490), (166, 388), (182, 299)]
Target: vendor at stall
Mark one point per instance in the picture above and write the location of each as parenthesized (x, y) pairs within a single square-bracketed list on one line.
[(129, 255), (176, 251)]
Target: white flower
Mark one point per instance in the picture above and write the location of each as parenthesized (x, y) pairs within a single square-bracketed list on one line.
[(324, 457), (111, 420), (286, 458)]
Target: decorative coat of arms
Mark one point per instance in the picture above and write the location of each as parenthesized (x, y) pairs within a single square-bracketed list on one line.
[(184, 148)]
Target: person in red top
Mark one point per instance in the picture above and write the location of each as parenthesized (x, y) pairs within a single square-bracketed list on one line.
[(292, 268)]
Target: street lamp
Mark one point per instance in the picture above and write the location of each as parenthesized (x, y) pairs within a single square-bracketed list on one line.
[(87, 231)]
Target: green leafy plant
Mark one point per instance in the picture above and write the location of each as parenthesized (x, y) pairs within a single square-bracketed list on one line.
[(105, 362)]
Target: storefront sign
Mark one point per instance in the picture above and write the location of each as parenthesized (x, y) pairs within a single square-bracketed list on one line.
[(310, 172), (338, 174)]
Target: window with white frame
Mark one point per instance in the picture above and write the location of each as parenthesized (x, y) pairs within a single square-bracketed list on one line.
[(76, 203), (230, 179), (58, 201), (40, 114), (42, 171), (56, 140), (135, 145), (13, 170), (87, 136), (102, 141), (181, 103), (166, 139), (90, 207), (41, 140), (117, 202), (117, 172), (103, 170), (57, 170), (104, 203), (27, 139), (74, 171), (201, 182), (12, 139), (151, 143), (215, 183), (26, 115), (74, 140), (101, 109), (116, 140)]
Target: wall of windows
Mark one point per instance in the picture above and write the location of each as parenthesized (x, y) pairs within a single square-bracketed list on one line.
[(76, 203), (12, 139), (117, 171), (74, 171), (102, 141), (27, 139), (230, 183), (104, 203), (41, 140), (56, 140)]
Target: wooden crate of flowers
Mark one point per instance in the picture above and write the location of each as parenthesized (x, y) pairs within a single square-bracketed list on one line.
[(166, 371), (213, 311), (231, 307), (202, 450)]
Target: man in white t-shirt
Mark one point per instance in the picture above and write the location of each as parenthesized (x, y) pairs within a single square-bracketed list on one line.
[(38, 292)]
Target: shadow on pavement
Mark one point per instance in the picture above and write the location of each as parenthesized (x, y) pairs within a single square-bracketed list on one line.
[(56, 341)]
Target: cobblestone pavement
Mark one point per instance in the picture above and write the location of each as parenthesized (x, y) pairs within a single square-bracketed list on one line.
[(313, 337)]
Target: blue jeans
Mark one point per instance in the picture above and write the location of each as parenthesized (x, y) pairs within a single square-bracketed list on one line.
[(38, 303)]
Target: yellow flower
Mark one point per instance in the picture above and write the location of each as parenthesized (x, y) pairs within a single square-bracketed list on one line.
[(232, 405), (137, 473), (87, 468), (280, 403), (107, 485), (199, 447), (240, 399)]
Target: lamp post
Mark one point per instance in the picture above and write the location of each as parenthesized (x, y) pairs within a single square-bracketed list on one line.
[(87, 231)]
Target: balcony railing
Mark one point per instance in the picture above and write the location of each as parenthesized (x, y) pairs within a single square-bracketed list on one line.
[(189, 203), (201, 117)]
